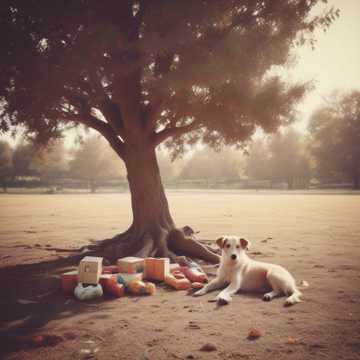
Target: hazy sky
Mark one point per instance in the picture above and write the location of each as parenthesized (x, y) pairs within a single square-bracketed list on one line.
[(335, 62)]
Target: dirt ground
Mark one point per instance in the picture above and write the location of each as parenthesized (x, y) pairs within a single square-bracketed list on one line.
[(316, 236)]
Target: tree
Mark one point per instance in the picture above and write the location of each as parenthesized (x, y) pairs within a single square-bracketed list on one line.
[(257, 164), (50, 162), (94, 161), (144, 72), (335, 138), (288, 159), (6, 154), (281, 157), (211, 165), (23, 156)]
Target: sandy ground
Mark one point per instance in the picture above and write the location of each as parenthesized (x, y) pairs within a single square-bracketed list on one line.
[(316, 236)]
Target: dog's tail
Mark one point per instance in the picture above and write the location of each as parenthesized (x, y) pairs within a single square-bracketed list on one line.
[(303, 285)]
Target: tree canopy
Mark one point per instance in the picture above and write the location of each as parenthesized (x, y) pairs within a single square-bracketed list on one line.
[(151, 69)]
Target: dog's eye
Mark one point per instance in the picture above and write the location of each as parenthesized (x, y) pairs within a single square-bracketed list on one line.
[(228, 246), (238, 246)]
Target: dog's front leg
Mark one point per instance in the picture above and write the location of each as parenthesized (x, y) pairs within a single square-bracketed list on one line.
[(225, 296), (214, 284)]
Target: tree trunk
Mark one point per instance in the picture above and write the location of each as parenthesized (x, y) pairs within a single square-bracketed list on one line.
[(153, 231)]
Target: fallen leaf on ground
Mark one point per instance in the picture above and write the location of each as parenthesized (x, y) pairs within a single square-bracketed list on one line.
[(292, 340), (208, 347), (254, 334)]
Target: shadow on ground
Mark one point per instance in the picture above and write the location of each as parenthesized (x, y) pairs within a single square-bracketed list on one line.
[(31, 296)]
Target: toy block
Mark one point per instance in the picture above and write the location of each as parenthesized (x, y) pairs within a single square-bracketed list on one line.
[(111, 286), (157, 269), (124, 278), (90, 269), (69, 281), (130, 265), (178, 284), (193, 274)]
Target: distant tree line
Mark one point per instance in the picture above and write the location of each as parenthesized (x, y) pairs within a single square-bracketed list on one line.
[(328, 155)]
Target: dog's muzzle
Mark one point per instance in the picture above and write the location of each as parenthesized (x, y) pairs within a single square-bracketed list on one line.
[(233, 257)]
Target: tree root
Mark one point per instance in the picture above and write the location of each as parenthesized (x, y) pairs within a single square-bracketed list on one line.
[(159, 243)]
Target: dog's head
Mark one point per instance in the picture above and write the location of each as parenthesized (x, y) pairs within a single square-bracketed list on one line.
[(233, 247)]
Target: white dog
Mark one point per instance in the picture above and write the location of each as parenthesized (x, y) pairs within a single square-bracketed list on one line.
[(237, 271)]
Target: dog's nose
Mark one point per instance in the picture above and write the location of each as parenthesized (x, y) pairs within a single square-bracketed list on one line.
[(233, 256)]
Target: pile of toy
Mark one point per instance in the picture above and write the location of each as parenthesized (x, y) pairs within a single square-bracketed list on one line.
[(130, 274)]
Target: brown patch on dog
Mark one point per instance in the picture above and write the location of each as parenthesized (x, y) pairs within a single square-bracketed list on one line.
[(244, 243), (221, 241)]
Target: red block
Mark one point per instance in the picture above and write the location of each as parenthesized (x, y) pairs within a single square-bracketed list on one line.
[(69, 281)]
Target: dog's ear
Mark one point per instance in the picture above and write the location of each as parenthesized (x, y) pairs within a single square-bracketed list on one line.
[(220, 242), (245, 244)]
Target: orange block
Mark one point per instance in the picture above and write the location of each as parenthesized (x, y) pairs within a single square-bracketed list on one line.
[(178, 284), (156, 269)]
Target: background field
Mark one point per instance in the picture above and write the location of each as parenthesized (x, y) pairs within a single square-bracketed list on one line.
[(316, 236)]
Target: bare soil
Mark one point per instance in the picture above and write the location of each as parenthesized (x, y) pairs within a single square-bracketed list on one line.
[(316, 236)]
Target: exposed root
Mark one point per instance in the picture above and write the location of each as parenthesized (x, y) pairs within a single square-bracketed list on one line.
[(160, 242), (187, 245)]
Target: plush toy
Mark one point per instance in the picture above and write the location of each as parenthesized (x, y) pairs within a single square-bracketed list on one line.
[(138, 287), (89, 292)]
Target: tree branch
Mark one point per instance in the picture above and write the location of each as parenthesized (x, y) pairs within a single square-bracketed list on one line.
[(162, 135), (100, 126)]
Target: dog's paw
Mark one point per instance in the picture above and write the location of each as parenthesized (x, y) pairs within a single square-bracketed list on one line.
[(223, 299)]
